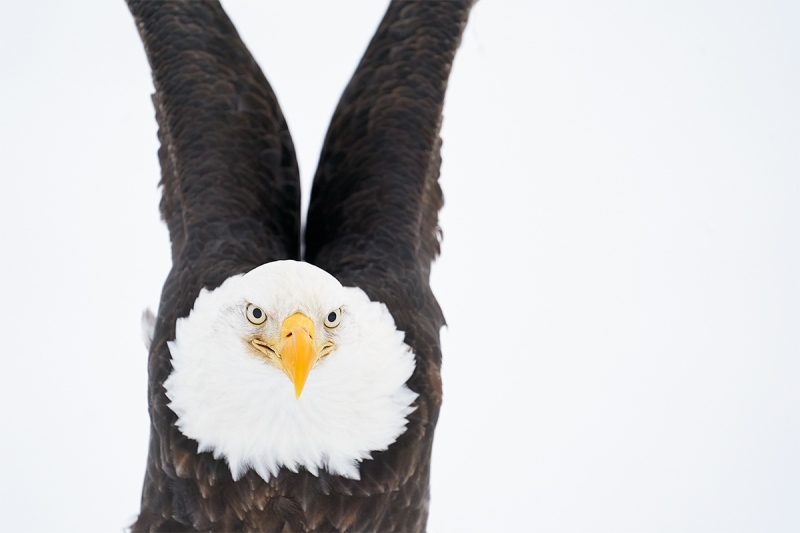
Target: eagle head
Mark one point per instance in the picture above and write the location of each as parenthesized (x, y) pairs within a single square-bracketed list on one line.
[(283, 367)]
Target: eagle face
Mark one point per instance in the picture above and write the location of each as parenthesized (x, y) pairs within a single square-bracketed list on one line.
[(285, 367)]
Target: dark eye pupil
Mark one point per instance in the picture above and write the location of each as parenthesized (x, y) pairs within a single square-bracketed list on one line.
[(257, 313), (332, 316)]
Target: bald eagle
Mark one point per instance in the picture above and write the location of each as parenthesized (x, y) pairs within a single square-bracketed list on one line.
[(289, 393)]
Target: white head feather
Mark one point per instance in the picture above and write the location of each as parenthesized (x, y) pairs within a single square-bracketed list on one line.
[(240, 407)]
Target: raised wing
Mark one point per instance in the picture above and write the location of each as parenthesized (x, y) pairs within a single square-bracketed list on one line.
[(231, 195), (372, 220)]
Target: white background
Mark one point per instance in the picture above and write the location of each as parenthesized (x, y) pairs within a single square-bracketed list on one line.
[(619, 268)]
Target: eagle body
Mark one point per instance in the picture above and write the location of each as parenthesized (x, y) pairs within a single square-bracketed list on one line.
[(289, 395)]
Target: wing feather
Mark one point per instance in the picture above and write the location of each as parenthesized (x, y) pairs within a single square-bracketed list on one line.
[(373, 223), (231, 202)]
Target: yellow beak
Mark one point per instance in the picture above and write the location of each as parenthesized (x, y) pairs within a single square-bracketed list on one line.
[(297, 350)]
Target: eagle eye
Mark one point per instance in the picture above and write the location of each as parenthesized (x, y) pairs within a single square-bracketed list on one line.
[(333, 318), (255, 315)]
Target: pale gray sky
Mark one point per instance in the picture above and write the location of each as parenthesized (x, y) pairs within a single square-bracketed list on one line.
[(619, 270)]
